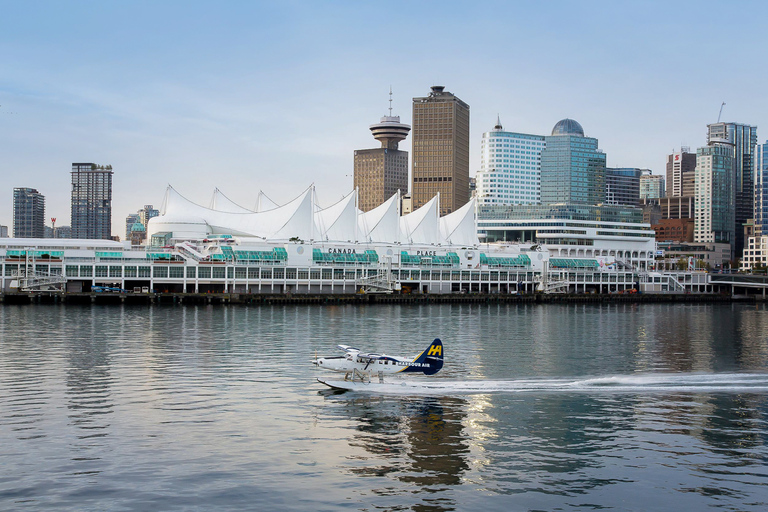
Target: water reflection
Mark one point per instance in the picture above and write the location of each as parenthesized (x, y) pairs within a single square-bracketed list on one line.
[(420, 442)]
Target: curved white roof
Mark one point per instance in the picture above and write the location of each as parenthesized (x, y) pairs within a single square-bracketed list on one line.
[(382, 223), (460, 227), (421, 226), (302, 218), (291, 220), (338, 222)]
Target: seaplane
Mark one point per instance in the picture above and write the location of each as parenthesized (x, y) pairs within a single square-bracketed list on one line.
[(358, 367)]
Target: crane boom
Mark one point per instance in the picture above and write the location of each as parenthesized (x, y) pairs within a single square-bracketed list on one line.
[(721, 112)]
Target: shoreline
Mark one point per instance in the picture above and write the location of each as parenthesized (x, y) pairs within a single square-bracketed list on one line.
[(359, 299)]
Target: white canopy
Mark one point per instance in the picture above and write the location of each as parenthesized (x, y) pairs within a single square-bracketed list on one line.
[(338, 223), (459, 227), (291, 220), (382, 223), (421, 226)]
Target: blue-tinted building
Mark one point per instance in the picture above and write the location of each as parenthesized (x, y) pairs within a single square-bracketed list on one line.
[(761, 189), (572, 167)]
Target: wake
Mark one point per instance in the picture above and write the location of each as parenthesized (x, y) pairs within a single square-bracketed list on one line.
[(642, 383)]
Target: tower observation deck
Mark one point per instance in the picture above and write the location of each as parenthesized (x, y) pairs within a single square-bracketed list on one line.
[(390, 131)]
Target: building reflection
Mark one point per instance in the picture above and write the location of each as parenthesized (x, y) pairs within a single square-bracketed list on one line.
[(89, 381)]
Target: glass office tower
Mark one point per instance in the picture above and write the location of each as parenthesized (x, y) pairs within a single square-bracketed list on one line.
[(572, 167)]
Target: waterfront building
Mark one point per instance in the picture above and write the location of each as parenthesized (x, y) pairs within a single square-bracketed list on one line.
[(714, 206), (622, 185), (572, 167), (379, 173), (91, 201), (652, 186), (710, 255), (28, 213), (681, 173), (568, 230), (761, 189), (440, 147), (510, 167), (742, 138)]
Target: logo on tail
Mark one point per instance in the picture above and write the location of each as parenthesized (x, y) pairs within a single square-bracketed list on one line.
[(431, 360)]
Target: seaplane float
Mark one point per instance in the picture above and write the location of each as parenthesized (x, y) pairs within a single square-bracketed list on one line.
[(359, 367)]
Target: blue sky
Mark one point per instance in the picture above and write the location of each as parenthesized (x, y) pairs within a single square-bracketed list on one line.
[(273, 96)]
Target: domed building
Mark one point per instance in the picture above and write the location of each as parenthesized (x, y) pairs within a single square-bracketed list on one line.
[(568, 127), (572, 170)]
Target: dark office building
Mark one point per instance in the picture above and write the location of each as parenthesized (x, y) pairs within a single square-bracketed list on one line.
[(440, 150), (91, 201), (28, 213)]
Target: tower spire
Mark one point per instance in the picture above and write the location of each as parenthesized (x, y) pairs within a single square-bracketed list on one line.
[(498, 123), (390, 100)]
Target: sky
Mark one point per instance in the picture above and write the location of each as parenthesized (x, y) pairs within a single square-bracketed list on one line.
[(276, 96)]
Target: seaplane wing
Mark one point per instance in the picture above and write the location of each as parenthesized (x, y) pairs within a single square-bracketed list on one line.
[(355, 364)]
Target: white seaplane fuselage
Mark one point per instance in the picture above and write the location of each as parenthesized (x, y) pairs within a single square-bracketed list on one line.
[(355, 363)]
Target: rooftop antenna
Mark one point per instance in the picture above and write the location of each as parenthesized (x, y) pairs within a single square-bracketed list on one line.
[(390, 100), (721, 112)]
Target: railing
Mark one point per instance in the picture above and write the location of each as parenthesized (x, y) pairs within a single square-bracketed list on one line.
[(35, 281)]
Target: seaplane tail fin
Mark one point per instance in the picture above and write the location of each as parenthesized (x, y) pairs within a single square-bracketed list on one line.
[(433, 357)]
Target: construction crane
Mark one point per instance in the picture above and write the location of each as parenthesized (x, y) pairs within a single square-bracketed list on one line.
[(721, 112)]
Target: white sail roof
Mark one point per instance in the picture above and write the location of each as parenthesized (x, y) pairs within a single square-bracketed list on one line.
[(421, 226), (222, 203), (338, 222), (294, 219), (382, 223), (459, 227), (263, 203)]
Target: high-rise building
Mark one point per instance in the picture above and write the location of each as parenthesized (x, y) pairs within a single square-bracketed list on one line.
[(3, 231), (622, 185), (130, 220), (652, 186), (510, 167), (714, 205), (572, 167), (743, 139), (147, 213), (379, 173), (28, 213), (761, 189), (91, 201), (440, 150), (681, 173)]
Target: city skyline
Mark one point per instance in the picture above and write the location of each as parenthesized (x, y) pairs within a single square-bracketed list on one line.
[(229, 96)]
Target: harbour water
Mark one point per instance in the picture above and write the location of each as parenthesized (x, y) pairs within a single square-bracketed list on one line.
[(546, 407)]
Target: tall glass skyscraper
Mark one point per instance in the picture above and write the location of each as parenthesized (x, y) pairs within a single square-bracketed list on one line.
[(91, 201), (743, 139), (28, 213), (714, 210), (510, 167), (572, 167), (761, 189)]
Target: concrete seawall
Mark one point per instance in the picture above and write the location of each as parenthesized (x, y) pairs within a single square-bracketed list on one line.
[(256, 300)]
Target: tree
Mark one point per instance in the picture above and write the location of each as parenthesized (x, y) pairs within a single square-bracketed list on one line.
[(682, 263)]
